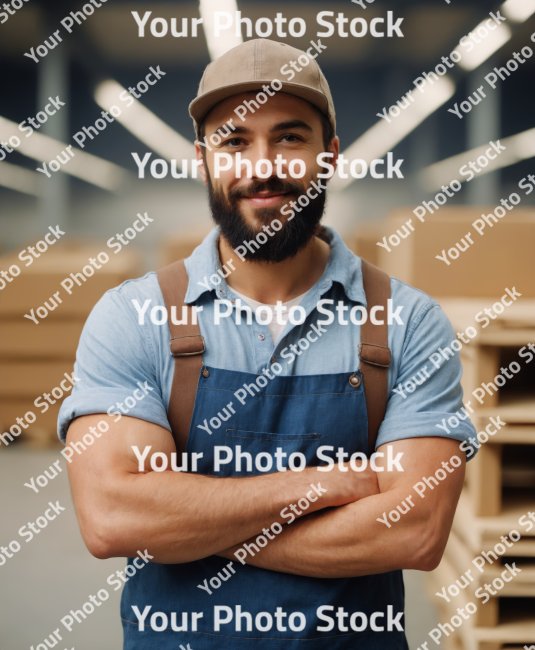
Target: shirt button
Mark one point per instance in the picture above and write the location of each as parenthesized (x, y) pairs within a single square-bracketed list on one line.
[(261, 337), (273, 360)]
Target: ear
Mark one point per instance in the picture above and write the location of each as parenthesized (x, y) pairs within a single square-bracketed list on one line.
[(201, 160), (334, 148)]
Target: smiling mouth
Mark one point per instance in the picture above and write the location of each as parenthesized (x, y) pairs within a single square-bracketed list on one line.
[(266, 199)]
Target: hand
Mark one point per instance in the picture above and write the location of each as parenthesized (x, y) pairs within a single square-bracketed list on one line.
[(345, 486)]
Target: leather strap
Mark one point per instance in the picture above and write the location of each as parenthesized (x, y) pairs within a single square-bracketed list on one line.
[(374, 353), (186, 345)]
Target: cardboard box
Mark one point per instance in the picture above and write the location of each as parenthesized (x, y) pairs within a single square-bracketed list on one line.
[(178, 247), (12, 409), (39, 282), (36, 357), (364, 241), (502, 257), (48, 340), (30, 379)]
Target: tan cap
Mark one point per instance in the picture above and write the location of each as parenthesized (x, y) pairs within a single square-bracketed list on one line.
[(254, 63)]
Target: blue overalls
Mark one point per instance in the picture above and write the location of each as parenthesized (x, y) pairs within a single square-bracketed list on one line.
[(297, 414)]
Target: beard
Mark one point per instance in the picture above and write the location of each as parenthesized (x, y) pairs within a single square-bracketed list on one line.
[(285, 243)]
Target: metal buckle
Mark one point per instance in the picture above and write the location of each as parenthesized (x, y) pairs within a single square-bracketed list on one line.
[(187, 354), (371, 363)]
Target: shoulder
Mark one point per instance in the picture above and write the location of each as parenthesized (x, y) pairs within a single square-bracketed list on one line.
[(417, 327), (128, 299), (121, 320), (417, 306), (120, 352), (146, 287)]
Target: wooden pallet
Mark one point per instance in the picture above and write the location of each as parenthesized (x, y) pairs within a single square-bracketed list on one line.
[(457, 561), (518, 316), (505, 462), (460, 557), (513, 410), (482, 533), (514, 628), (485, 354), (494, 470)]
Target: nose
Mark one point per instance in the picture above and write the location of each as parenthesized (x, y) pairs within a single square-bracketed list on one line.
[(262, 156)]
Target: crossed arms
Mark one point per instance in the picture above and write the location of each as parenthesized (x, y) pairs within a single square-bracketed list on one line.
[(182, 517)]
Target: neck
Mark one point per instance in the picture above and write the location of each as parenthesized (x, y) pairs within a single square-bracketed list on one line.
[(267, 283)]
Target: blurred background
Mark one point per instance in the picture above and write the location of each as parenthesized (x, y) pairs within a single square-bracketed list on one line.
[(98, 194)]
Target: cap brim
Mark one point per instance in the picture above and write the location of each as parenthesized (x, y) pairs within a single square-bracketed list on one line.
[(201, 106)]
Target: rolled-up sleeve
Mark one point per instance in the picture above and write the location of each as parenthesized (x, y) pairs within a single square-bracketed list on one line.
[(115, 366), (425, 396)]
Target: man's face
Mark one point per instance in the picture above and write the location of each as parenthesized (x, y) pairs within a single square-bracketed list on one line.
[(285, 128)]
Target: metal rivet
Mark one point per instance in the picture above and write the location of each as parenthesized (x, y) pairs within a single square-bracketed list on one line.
[(220, 290), (261, 337), (233, 302), (354, 381), (206, 373), (273, 360)]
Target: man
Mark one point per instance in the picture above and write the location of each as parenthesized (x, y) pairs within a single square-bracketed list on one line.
[(250, 548)]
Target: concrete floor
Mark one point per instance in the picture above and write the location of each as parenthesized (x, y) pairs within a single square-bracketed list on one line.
[(54, 573)]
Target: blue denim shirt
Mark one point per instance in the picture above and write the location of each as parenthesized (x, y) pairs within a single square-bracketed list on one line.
[(117, 355)]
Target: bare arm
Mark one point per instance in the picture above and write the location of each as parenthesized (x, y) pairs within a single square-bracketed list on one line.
[(179, 517), (349, 541)]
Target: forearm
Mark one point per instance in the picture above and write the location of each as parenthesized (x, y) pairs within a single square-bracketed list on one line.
[(181, 517), (177, 516), (349, 540), (344, 542), (185, 517)]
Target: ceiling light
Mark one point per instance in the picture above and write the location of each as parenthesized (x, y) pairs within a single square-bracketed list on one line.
[(20, 179), (383, 137), (218, 45), (518, 10), (145, 125), (486, 47), (518, 147), (83, 165)]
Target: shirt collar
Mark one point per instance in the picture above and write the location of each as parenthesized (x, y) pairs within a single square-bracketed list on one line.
[(342, 266), (203, 262)]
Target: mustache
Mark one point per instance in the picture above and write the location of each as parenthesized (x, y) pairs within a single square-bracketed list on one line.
[(283, 245), (275, 184)]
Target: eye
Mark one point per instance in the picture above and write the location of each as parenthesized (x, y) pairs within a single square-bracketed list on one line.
[(290, 137), (233, 142)]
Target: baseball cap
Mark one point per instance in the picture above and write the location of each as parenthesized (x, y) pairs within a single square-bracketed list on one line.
[(254, 63)]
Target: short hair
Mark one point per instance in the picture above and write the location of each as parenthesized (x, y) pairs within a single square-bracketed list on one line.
[(327, 127)]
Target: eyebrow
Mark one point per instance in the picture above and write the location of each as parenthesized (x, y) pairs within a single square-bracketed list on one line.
[(292, 124), (282, 126), (237, 129)]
